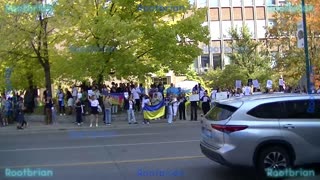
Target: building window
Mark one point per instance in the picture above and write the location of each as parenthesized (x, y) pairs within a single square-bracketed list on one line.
[(249, 13), (216, 61), (214, 14), (237, 13), (226, 14), (205, 61), (261, 13)]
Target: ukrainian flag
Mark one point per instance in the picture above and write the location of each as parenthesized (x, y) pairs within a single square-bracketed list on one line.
[(154, 112)]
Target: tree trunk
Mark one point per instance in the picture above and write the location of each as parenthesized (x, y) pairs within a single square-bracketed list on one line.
[(48, 82)]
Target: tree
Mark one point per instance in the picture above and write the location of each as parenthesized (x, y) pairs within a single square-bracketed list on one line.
[(141, 42), (26, 37), (247, 54), (282, 40)]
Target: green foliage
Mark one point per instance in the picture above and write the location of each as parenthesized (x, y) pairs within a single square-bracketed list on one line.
[(247, 62), (144, 42), (193, 76)]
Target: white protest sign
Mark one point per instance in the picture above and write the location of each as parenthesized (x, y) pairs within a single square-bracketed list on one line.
[(281, 82), (269, 84), (238, 83), (90, 92), (256, 83), (247, 91), (194, 97), (221, 96)]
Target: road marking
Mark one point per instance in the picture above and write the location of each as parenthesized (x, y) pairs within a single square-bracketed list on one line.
[(106, 162), (49, 130), (96, 146), (81, 135)]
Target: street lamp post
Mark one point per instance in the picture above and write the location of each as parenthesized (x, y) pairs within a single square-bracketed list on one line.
[(305, 37)]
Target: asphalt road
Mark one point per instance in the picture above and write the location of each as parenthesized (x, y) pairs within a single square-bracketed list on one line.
[(167, 151)]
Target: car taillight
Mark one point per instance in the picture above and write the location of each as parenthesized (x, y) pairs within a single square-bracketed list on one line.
[(229, 128)]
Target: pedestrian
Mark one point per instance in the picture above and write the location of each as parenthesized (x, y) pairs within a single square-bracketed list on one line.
[(62, 109), (182, 106), (129, 105), (8, 111), (146, 102), (205, 103), (48, 105), (54, 112), (194, 108), (78, 107), (107, 108), (170, 110), (94, 109), (70, 105), (22, 123), (135, 92), (175, 106)]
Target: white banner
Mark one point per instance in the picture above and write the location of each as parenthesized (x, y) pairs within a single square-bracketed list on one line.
[(238, 83), (221, 96), (300, 35), (281, 82), (194, 97), (256, 83), (269, 84)]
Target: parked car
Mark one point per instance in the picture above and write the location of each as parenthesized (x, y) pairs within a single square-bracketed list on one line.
[(266, 131)]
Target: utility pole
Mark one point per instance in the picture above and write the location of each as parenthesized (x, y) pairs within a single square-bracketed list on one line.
[(305, 36)]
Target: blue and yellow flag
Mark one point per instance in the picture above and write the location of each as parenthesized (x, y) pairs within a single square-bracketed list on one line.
[(153, 112)]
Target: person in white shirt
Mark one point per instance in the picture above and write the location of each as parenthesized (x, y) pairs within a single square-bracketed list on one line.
[(146, 101), (136, 96), (175, 106), (94, 109)]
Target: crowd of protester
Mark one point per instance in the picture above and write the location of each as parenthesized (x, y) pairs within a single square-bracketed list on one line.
[(93, 100)]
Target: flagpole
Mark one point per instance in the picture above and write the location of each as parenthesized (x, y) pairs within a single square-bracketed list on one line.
[(305, 36)]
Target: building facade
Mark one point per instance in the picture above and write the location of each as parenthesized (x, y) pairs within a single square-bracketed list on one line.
[(226, 14)]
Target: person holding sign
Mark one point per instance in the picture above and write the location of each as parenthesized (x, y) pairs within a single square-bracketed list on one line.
[(205, 103), (194, 105), (281, 84), (269, 86)]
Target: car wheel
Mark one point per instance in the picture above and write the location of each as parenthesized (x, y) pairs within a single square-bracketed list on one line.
[(273, 159)]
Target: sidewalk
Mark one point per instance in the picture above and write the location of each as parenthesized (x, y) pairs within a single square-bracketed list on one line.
[(36, 122)]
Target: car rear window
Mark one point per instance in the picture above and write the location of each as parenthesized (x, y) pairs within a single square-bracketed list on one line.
[(220, 112)]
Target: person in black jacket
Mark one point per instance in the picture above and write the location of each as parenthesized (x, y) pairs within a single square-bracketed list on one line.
[(194, 108), (182, 106), (48, 105), (78, 112)]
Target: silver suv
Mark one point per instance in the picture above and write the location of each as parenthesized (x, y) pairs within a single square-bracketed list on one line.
[(266, 131)]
